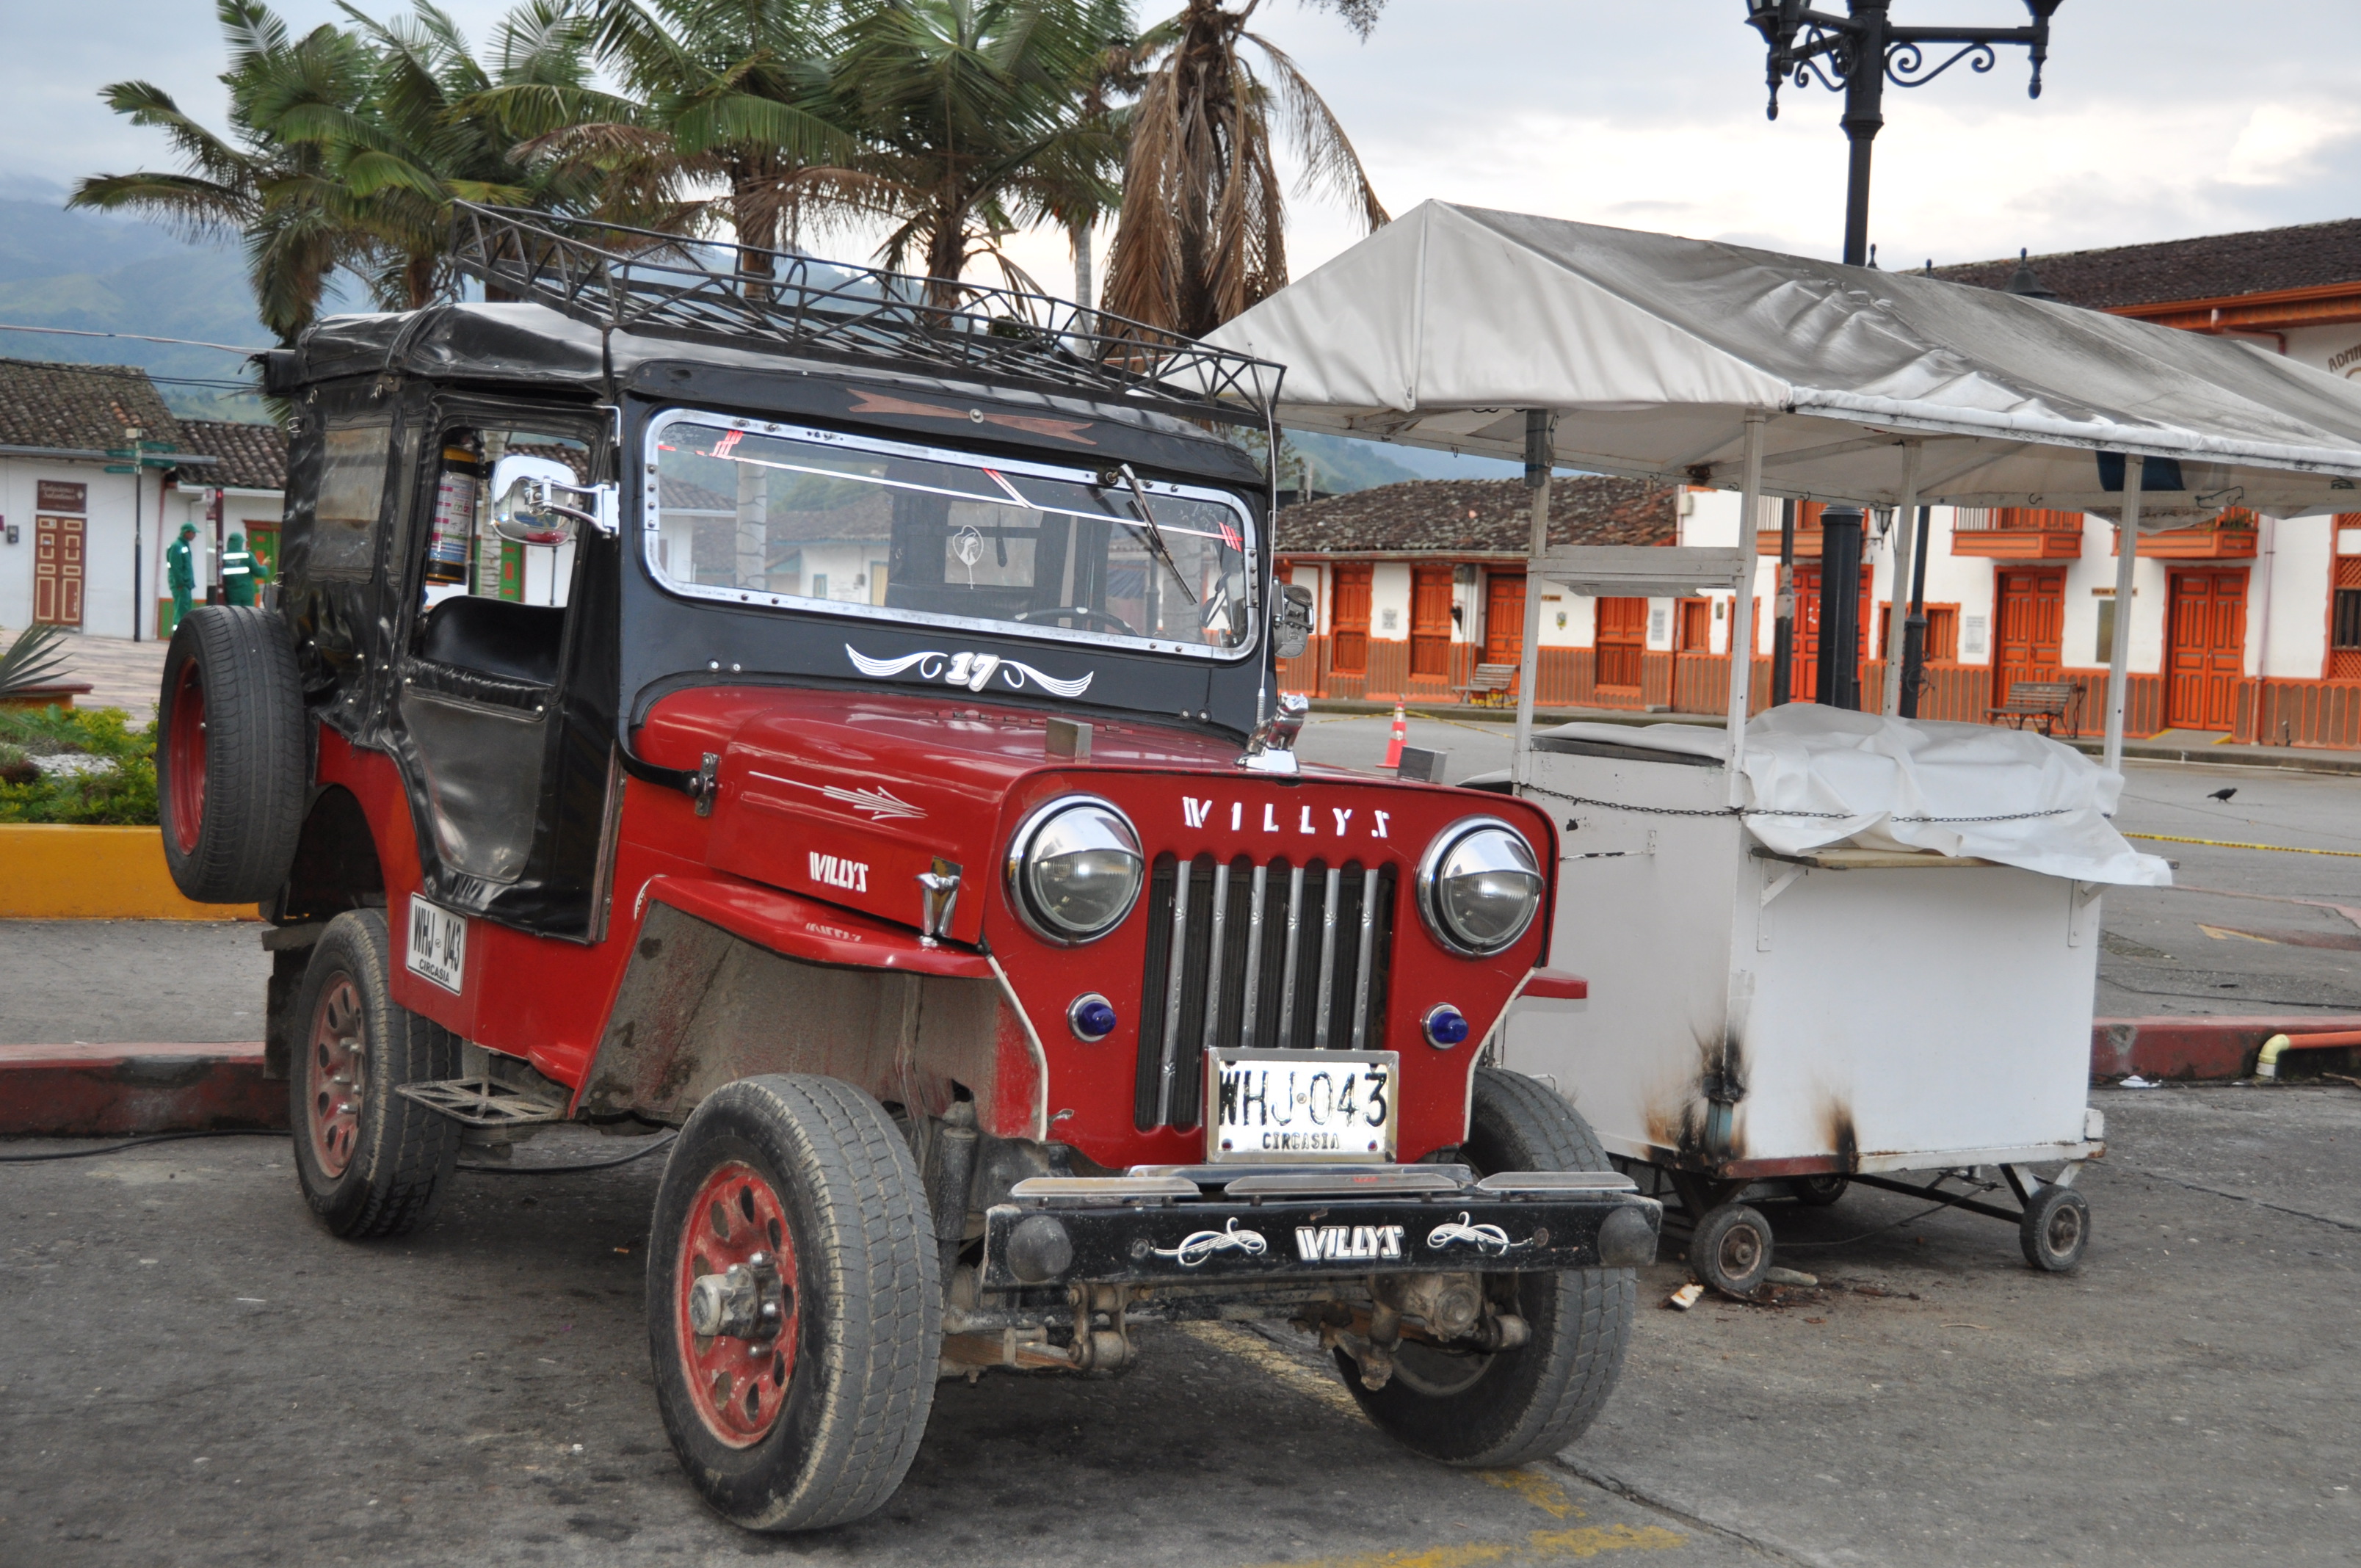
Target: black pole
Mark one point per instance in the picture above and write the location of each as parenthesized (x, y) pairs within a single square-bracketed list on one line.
[(1914, 630), (1839, 668), (1864, 117), (1782, 611)]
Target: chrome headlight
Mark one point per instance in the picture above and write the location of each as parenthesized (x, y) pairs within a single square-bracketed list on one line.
[(1478, 886), (1075, 868)]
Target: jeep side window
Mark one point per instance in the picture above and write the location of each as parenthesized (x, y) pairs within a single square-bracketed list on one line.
[(490, 604), (864, 527), (479, 689)]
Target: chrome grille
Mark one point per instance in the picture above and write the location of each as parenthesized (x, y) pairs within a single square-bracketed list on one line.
[(1271, 955)]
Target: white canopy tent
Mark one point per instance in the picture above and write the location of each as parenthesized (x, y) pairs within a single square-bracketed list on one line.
[(1710, 364)]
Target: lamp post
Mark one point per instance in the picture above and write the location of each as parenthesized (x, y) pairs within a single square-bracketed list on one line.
[(1858, 53)]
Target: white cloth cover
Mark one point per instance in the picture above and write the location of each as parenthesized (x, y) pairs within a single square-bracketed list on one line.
[(1443, 326), (1884, 778)]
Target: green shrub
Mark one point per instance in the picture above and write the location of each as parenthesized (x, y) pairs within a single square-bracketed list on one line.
[(122, 795)]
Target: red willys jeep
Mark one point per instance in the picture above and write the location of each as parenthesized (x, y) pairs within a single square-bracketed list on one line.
[(832, 715)]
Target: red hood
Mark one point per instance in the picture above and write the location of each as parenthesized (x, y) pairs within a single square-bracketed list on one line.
[(848, 797)]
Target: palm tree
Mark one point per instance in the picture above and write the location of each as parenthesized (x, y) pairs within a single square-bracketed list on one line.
[(742, 90), (1201, 233), (444, 128), (270, 181), (971, 109)]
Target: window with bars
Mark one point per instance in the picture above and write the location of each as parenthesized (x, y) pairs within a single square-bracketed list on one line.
[(2345, 620)]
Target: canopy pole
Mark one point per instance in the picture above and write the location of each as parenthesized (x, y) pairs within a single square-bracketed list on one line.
[(2119, 653), (1905, 537), (1742, 608), (1529, 657)]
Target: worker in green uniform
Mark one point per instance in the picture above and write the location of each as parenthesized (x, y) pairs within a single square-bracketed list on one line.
[(180, 572), (241, 573)]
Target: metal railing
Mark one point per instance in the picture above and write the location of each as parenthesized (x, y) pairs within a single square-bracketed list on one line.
[(640, 280)]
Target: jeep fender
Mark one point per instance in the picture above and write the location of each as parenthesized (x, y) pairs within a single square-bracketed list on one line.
[(728, 980)]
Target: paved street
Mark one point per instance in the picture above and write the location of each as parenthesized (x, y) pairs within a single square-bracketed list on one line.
[(191, 1372), (2242, 930)]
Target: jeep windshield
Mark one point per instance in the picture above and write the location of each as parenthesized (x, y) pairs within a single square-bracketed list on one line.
[(753, 512)]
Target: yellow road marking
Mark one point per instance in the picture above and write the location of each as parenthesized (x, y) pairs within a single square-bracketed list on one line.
[(2226, 844), (1542, 1545), (1531, 1485), (2224, 933), (1252, 1348), (1537, 1489)]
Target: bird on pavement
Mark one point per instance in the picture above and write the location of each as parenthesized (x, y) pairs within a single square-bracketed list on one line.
[(2223, 794)]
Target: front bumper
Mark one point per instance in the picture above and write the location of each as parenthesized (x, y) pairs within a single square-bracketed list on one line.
[(1248, 1226)]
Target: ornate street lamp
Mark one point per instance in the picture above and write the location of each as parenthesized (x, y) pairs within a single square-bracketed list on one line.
[(1858, 53)]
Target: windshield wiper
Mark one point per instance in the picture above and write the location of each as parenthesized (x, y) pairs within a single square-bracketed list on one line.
[(1155, 535)]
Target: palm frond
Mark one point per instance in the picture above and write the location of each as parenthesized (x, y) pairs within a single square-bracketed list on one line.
[(36, 658)]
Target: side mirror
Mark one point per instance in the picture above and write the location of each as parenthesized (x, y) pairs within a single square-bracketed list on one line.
[(536, 501), (1290, 628)]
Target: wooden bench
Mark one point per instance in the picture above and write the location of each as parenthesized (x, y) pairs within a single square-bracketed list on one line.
[(1489, 684), (2044, 701)]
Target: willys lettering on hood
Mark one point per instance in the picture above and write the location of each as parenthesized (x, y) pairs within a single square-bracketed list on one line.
[(852, 797)]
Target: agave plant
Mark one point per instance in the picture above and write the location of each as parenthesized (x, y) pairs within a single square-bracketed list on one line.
[(35, 659)]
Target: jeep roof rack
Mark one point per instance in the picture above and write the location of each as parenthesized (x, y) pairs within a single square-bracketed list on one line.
[(641, 280)]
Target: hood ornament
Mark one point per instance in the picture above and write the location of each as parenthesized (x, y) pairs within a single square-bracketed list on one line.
[(1271, 748)]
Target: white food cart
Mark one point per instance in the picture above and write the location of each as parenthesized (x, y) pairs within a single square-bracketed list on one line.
[(1774, 996)]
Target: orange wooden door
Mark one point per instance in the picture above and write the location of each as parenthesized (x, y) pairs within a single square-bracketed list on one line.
[(2205, 650), (1348, 622), (1622, 637), (1695, 629), (1504, 619), (57, 570), (1429, 623), (2344, 617), (2029, 630)]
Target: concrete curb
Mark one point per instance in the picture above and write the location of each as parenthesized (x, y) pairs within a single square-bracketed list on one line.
[(92, 1091), (49, 871), (103, 1092), (2194, 1050)]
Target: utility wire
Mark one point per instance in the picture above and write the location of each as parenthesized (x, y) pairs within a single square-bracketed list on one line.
[(133, 337)]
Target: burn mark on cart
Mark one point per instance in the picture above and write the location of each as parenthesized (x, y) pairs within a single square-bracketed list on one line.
[(1703, 1128), (1836, 1132)]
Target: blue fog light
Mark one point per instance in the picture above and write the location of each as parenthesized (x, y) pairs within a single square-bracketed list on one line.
[(1445, 1026), (1092, 1017)]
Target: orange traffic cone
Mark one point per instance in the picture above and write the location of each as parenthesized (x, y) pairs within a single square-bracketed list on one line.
[(1393, 747)]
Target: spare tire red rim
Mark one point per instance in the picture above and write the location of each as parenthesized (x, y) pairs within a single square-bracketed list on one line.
[(185, 755), (339, 1070), (734, 1314)]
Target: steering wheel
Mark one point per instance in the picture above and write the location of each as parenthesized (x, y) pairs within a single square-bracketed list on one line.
[(1096, 617)]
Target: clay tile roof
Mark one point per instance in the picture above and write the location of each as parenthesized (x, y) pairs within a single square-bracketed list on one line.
[(253, 456), (1468, 517), (85, 407), (2211, 266)]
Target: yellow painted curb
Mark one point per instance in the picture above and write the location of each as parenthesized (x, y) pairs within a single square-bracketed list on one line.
[(52, 872)]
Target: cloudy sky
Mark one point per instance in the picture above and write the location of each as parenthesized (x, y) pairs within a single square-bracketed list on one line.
[(2161, 118)]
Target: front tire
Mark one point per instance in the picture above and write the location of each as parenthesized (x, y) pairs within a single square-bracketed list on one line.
[(1509, 1407), (794, 1303), (371, 1162)]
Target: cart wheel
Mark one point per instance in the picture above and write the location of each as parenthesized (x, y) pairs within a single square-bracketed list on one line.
[(1731, 1249), (2055, 1230), (794, 1303), (1509, 1406), (371, 1163), (1818, 1191)]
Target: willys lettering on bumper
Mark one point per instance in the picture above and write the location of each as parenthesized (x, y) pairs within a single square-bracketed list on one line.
[(1041, 1240)]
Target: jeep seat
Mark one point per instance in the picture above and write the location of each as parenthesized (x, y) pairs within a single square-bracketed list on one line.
[(520, 642)]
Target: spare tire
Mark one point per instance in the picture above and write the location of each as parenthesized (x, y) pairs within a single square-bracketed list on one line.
[(231, 766)]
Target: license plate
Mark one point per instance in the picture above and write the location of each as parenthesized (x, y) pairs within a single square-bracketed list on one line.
[(1302, 1106), (438, 944)]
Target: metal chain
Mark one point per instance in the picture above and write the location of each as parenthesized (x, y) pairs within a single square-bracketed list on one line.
[(1824, 816)]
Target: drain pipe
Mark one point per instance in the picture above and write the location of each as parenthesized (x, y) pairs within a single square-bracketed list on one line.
[(2267, 1065)]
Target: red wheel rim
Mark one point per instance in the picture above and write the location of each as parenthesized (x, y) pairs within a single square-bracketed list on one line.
[(738, 1379), (339, 1075), (185, 755)]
